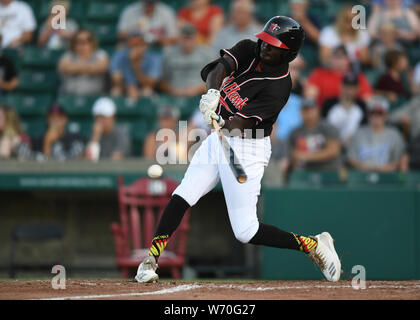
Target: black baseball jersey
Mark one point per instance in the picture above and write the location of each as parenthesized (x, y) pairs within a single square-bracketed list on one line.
[(250, 92)]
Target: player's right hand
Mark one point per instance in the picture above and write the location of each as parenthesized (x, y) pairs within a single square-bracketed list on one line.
[(209, 101)]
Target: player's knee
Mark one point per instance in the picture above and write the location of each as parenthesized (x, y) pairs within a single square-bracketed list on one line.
[(245, 235)]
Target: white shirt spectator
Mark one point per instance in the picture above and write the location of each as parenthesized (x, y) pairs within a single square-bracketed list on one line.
[(330, 38), (346, 120), (15, 19), (161, 23)]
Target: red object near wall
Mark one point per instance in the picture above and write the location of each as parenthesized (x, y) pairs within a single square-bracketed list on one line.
[(141, 205)]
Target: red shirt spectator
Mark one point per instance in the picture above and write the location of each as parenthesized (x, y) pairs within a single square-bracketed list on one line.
[(325, 83), (329, 82), (206, 18)]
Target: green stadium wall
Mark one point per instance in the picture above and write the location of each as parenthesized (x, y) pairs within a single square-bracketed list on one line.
[(377, 228)]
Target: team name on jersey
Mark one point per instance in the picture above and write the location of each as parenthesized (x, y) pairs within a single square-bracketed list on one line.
[(232, 94)]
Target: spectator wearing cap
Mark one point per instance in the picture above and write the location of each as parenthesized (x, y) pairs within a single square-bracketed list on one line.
[(242, 25), (182, 65), (169, 147), (9, 79), (152, 17), (324, 83), (53, 38), (17, 23), (315, 145), (376, 146), (346, 112), (136, 69), (393, 84), (58, 143), (208, 18), (107, 140), (84, 67)]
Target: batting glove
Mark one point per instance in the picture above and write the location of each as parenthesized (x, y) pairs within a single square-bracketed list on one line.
[(209, 101), (210, 116)]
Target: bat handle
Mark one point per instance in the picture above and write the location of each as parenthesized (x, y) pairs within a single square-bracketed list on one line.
[(216, 125)]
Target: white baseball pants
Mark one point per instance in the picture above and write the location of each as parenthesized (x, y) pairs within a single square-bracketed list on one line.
[(209, 166)]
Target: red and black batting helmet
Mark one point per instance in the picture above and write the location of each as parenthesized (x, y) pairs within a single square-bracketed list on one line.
[(285, 33)]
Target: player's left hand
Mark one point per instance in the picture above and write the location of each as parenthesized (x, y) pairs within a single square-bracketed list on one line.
[(209, 116), (209, 101)]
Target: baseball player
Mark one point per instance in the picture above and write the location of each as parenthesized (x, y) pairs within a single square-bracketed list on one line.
[(247, 88)]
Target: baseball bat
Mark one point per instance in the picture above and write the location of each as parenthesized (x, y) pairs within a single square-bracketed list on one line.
[(234, 164)]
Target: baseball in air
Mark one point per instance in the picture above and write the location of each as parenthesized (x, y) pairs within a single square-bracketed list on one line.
[(155, 171)]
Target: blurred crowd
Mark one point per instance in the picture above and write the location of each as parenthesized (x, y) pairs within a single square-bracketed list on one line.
[(355, 100)]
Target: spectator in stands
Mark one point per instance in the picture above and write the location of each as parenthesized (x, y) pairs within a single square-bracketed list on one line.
[(386, 41), (407, 116), (406, 22), (377, 147), (107, 140), (341, 33), (242, 25), (8, 75), (416, 79), (136, 69), (17, 23), (169, 148), (346, 112), (325, 83), (14, 143), (83, 69), (182, 65), (57, 143), (316, 144), (155, 19), (290, 116), (393, 84), (206, 17), (311, 25), (53, 38)]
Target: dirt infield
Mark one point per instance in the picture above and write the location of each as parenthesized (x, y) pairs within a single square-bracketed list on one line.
[(188, 290)]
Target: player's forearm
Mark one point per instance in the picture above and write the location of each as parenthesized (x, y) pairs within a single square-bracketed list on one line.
[(215, 77)]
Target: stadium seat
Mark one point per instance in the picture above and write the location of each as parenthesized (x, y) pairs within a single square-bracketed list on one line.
[(82, 127), (104, 10), (13, 54), (30, 104), (35, 57), (77, 105), (266, 9), (37, 81), (141, 206), (105, 32), (144, 108), (314, 179), (365, 179), (34, 128)]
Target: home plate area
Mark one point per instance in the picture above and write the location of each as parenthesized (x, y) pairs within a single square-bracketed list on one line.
[(209, 290)]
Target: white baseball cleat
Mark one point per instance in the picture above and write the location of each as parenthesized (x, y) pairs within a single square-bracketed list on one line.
[(326, 258), (146, 271)]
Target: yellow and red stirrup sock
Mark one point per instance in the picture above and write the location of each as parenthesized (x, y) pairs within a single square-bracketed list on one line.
[(158, 245), (306, 244)]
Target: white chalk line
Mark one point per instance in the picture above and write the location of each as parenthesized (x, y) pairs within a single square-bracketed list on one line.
[(190, 287)]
